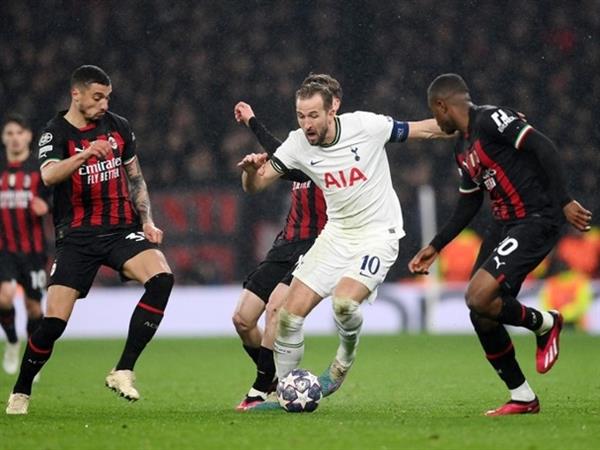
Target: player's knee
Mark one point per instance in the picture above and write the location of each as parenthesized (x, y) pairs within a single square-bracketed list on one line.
[(347, 312), (159, 289), (289, 323), (476, 298), (8, 289), (242, 324)]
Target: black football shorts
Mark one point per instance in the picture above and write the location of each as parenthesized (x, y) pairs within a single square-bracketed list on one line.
[(277, 267), (511, 252), (28, 270), (78, 258)]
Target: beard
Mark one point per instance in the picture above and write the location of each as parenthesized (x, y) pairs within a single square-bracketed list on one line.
[(91, 117), (320, 137)]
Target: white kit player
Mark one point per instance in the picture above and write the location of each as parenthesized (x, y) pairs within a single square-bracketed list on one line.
[(345, 156)]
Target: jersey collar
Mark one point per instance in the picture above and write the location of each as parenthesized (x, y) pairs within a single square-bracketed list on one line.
[(338, 133), (88, 127)]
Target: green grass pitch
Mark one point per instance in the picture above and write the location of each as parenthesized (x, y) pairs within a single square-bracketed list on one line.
[(409, 392)]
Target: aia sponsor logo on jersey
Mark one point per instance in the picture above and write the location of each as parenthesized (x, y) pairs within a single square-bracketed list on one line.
[(342, 179)]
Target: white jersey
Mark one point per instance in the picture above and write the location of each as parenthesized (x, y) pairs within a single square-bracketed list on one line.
[(353, 172)]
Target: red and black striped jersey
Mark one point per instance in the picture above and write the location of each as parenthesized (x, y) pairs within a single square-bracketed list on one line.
[(490, 157), (96, 196), (21, 230), (307, 215)]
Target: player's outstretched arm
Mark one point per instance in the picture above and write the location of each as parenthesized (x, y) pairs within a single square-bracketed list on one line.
[(257, 173), (138, 193), (466, 208), (427, 129), (55, 172)]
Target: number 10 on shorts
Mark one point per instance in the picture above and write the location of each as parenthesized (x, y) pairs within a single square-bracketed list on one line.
[(370, 265)]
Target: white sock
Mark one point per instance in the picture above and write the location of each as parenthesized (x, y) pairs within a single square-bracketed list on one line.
[(547, 323), (288, 348), (523, 393), (348, 319)]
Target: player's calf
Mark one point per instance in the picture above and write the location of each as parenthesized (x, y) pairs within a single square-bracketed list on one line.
[(38, 351), (348, 320), (7, 322), (146, 318), (289, 343)]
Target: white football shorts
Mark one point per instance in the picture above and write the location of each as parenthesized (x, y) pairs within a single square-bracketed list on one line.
[(334, 256)]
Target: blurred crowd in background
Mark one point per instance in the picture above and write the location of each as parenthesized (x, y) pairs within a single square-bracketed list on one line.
[(178, 70)]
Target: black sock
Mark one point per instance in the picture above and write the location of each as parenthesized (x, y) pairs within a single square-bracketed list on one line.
[(499, 350), (515, 313), (265, 370), (7, 320), (252, 353), (145, 318), (33, 324), (38, 351)]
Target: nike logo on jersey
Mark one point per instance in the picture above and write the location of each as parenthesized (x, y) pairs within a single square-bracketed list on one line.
[(498, 262), (314, 163)]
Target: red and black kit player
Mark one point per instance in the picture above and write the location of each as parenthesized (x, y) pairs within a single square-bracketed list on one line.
[(23, 203), (520, 168), (265, 287), (102, 216)]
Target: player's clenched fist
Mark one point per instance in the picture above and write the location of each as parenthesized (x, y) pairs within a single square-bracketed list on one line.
[(153, 233), (423, 260), (243, 112), (100, 149)]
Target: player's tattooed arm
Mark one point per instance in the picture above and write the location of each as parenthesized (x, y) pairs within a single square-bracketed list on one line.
[(138, 191)]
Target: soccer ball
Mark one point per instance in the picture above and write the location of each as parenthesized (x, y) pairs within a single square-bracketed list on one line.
[(299, 391)]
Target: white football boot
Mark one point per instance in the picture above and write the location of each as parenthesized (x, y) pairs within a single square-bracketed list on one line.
[(121, 381), (10, 362), (17, 404)]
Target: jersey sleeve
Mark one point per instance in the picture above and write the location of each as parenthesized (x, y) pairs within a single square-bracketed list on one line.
[(129, 149), (44, 192), (505, 125), (378, 126), (284, 159), (51, 147)]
